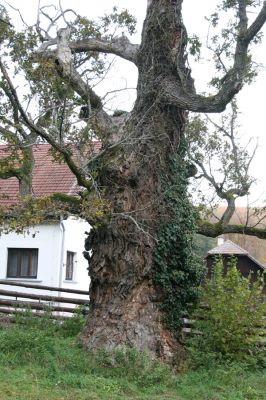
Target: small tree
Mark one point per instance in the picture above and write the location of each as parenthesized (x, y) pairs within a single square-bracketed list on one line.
[(221, 163), (231, 323)]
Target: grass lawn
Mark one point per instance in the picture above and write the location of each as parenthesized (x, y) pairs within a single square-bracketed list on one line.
[(45, 363)]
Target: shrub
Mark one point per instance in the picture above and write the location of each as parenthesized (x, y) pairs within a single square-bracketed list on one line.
[(231, 324)]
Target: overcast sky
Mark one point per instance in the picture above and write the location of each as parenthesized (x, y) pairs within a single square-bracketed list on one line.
[(251, 101)]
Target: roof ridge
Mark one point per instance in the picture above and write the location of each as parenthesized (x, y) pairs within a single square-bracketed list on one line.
[(224, 249), (224, 246), (236, 245)]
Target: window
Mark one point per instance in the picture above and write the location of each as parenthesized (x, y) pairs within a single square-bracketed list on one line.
[(70, 265), (22, 263)]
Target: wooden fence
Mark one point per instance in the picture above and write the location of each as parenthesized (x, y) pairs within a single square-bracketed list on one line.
[(59, 306), (189, 329)]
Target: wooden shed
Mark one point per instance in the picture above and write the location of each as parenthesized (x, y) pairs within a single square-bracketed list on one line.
[(246, 264)]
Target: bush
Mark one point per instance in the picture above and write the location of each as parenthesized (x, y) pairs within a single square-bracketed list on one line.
[(231, 324)]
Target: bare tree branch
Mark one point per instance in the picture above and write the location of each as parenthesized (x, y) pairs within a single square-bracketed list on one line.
[(81, 178), (65, 68), (18, 11), (210, 229), (119, 46), (172, 93)]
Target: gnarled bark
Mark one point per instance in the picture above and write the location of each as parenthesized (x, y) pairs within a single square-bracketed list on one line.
[(125, 303)]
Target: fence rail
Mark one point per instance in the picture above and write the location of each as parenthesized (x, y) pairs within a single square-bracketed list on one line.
[(189, 329), (43, 302), (17, 304), (14, 301), (51, 288)]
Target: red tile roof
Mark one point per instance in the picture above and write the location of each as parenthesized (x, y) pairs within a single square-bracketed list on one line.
[(49, 176)]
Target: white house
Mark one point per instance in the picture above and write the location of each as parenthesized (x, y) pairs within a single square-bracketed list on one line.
[(49, 254)]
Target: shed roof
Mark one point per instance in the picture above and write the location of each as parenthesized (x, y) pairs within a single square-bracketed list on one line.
[(228, 247), (232, 249)]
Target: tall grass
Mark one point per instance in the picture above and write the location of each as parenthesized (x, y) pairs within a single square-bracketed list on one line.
[(42, 360), (51, 352)]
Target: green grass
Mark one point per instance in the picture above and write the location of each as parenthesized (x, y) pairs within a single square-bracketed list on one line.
[(233, 382), (44, 362)]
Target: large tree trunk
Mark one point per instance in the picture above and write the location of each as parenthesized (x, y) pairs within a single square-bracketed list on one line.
[(125, 301)]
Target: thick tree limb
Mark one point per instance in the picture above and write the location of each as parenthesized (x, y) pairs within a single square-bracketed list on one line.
[(173, 94), (81, 178), (256, 26), (118, 46), (216, 229), (7, 172), (63, 59), (229, 211), (65, 67)]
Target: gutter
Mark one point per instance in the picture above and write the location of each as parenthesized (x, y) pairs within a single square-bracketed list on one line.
[(61, 264)]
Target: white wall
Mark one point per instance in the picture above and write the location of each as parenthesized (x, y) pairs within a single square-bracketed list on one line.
[(74, 241), (53, 241), (47, 238)]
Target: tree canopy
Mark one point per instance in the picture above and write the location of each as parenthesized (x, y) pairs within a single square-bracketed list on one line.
[(143, 274), (57, 92)]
